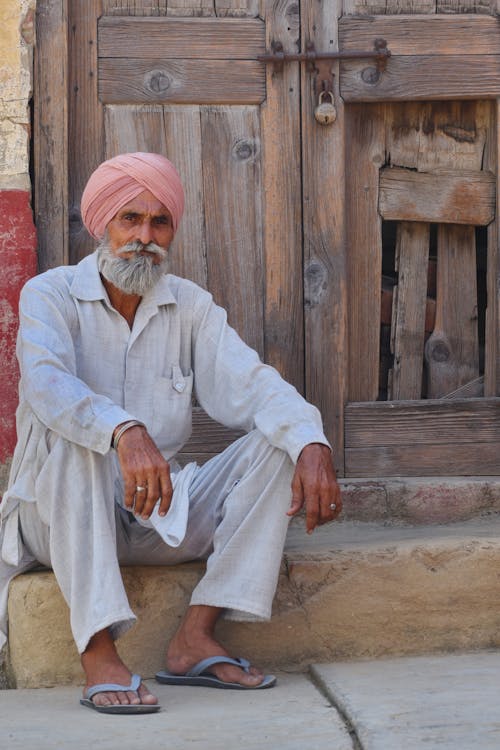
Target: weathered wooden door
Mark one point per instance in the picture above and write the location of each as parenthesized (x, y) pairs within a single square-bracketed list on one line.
[(289, 222), (422, 192), (263, 229)]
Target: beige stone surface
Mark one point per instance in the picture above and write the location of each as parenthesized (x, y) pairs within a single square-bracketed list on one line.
[(348, 591), (16, 43)]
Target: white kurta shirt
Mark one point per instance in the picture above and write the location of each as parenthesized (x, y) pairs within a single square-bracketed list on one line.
[(83, 372)]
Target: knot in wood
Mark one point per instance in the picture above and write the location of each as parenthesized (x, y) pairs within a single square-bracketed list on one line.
[(245, 149), (315, 282), (157, 81), (370, 75), (439, 351)]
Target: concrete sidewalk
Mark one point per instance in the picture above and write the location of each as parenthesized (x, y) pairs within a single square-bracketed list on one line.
[(442, 702)]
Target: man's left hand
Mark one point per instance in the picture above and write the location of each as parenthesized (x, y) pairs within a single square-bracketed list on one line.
[(315, 485)]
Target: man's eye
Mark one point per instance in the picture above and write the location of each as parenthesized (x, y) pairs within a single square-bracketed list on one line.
[(165, 220)]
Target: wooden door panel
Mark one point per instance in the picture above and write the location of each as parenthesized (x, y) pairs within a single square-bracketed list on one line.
[(433, 57)]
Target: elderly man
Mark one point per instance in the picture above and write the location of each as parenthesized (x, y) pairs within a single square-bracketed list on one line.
[(111, 352)]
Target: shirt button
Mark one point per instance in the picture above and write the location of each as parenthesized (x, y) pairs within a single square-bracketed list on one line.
[(179, 386)]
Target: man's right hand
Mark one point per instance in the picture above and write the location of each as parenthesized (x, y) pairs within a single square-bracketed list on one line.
[(143, 466)]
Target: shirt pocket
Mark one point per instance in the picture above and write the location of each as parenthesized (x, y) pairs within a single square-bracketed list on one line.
[(172, 415)]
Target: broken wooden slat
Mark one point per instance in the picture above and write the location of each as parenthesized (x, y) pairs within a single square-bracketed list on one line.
[(492, 337), (409, 78), (443, 196), (474, 389), (365, 129), (452, 350), (412, 253), (409, 35), (133, 80), (187, 38)]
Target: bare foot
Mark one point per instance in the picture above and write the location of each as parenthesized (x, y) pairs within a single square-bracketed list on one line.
[(194, 641), (102, 664)]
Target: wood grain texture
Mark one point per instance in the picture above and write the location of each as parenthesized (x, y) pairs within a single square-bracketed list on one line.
[(176, 133), (436, 459), (388, 7), (492, 343), (409, 309), (231, 155), (132, 80), (173, 38), (365, 153), (412, 35), (452, 350), (86, 148), (281, 201), (422, 422), (50, 136), (422, 77), (444, 196), (325, 284), (426, 136)]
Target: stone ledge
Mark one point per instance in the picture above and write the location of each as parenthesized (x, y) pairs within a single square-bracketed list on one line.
[(419, 500), (348, 591)]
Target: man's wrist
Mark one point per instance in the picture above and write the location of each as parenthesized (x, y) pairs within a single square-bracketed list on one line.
[(122, 428)]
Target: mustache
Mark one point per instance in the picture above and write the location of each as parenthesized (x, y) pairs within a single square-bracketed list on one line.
[(139, 247)]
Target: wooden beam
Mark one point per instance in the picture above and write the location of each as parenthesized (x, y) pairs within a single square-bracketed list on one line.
[(281, 202), (86, 140), (443, 196), (187, 38), (409, 35), (324, 239), (50, 137), (394, 423), (139, 81), (365, 153), (410, 78)]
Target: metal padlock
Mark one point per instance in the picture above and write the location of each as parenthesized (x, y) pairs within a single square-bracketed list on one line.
[(325, 113)]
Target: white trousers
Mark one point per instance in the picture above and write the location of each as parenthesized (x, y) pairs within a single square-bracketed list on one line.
[(237, 522)]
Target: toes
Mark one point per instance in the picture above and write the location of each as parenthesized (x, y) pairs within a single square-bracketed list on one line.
[(235, 674), (146, 697)]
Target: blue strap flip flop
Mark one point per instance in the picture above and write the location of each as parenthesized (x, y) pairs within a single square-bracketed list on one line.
[(201, 676), (127, 708)]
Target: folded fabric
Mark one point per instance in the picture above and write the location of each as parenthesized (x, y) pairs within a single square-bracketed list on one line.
[(172, 527)]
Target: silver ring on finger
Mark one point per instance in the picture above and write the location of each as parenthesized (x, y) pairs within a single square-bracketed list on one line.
[(140, 489), (333, 506)]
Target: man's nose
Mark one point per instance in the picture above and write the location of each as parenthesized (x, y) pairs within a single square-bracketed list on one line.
[(144, 233)]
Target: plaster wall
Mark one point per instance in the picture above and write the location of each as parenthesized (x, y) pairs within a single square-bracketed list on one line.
[(17, 231)]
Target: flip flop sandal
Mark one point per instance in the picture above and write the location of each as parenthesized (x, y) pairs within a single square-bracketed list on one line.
[(127, 708), (201, 676)]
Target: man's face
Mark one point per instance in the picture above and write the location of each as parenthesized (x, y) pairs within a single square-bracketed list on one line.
[(144, 219), (133, 254)]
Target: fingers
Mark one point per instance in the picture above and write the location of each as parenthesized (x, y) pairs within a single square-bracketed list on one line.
[(297, 496), (320, 489), (146, 474)]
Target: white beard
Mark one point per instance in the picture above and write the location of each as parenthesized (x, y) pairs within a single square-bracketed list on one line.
[(135, 275)]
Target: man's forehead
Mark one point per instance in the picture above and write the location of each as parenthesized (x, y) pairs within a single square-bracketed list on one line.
[(144, 203)]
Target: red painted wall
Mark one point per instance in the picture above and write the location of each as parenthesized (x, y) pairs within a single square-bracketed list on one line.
[(18, 262)]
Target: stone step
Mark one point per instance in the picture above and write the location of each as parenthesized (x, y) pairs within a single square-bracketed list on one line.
[(350, 590)]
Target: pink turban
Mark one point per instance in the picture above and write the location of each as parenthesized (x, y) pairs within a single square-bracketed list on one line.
[(119, 180)]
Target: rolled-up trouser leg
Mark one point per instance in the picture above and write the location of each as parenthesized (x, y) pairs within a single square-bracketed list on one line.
[(252, 483), (75, 514)]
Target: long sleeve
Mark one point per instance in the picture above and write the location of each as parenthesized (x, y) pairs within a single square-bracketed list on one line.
[(238, 390), (49, 382)]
